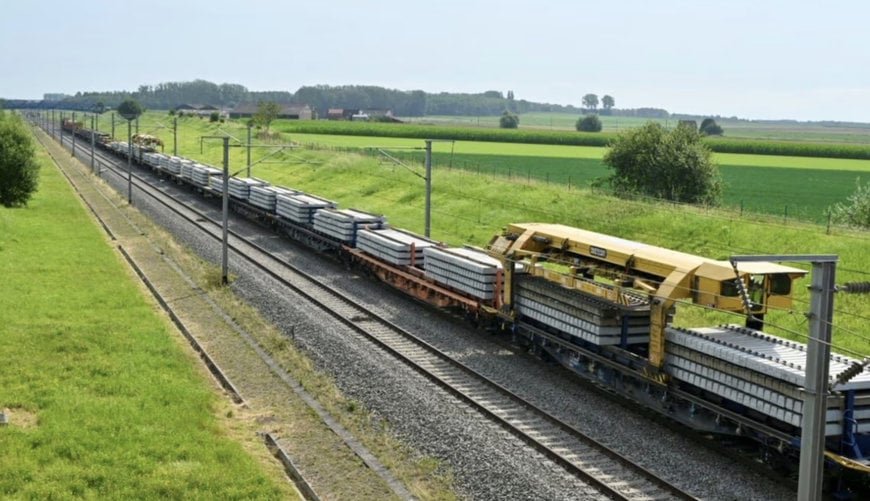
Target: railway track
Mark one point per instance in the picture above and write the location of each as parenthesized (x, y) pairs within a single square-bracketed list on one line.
[(614, 475)]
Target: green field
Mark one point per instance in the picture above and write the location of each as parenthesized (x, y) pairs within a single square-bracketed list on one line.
[(791, 187), (845, 133), (104, 402), (786, 187)]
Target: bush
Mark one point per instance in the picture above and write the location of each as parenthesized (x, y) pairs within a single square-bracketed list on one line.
[(709, 127), (214, 116), (589, 123), (19, 171), (856, 210), (671, 165), (509, 120)]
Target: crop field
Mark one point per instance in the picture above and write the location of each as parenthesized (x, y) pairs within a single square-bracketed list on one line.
[(846, 133), (104, 403), (791, 187)]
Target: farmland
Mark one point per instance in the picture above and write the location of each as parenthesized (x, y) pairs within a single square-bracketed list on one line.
[(842, 133), (785, 187), (791, 187)]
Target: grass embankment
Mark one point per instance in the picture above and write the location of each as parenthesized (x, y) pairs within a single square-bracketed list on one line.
[(105, 402)]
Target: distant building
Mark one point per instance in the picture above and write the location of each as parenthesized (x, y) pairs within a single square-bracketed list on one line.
[(288, 111), (339, 114), (362, 115)]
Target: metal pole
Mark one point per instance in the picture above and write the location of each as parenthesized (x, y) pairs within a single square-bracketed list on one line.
[(74, 127), (249, 149), (93, 142), (137, 126), (226, 212), (817, 368), (428, 186), (129, 161), (816, 385), (175, 136), (60, 129), (113, 126)]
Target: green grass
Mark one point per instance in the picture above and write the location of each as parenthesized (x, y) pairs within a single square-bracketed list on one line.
[(784, 186), (104, 403)]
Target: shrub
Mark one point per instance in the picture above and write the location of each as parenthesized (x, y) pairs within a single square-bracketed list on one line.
[(214, 116), (19, 171), (709, 127), (589, 123), (670, 165), (509, 120), (856, 210)]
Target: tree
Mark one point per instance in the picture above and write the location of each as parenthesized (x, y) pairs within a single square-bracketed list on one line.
[(590, 101), (130, 109), (672, 165), (267, 112), (607, 102), (588, 123), (856, 210), (709, 127), (508, 120), (19, 171)]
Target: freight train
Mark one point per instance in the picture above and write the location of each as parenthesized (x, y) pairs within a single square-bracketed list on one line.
[(599, 305)]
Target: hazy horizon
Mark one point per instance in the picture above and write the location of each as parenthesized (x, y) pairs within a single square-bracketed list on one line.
[(772, 60)]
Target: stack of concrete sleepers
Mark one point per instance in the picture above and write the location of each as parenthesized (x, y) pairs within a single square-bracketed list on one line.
[(173, 166), (165, 161), (589, 318), (762, 372), (396, 247), (265, 197), (300, 208), (344, 224), (469, 270), (152, 159), (201, 174), (186, 169), (241, 187)]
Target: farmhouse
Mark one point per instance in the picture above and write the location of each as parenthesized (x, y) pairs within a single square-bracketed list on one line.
[(288, 111)]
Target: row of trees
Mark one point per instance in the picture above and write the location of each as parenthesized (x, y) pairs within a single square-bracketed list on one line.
[(322, 97)]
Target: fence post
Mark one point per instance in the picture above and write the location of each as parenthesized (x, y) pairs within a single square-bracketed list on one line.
[(828, 232)]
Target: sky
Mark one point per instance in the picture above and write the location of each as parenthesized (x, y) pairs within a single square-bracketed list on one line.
[(761, 59)]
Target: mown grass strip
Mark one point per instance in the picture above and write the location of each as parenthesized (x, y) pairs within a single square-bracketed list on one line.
[(104, 403)]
